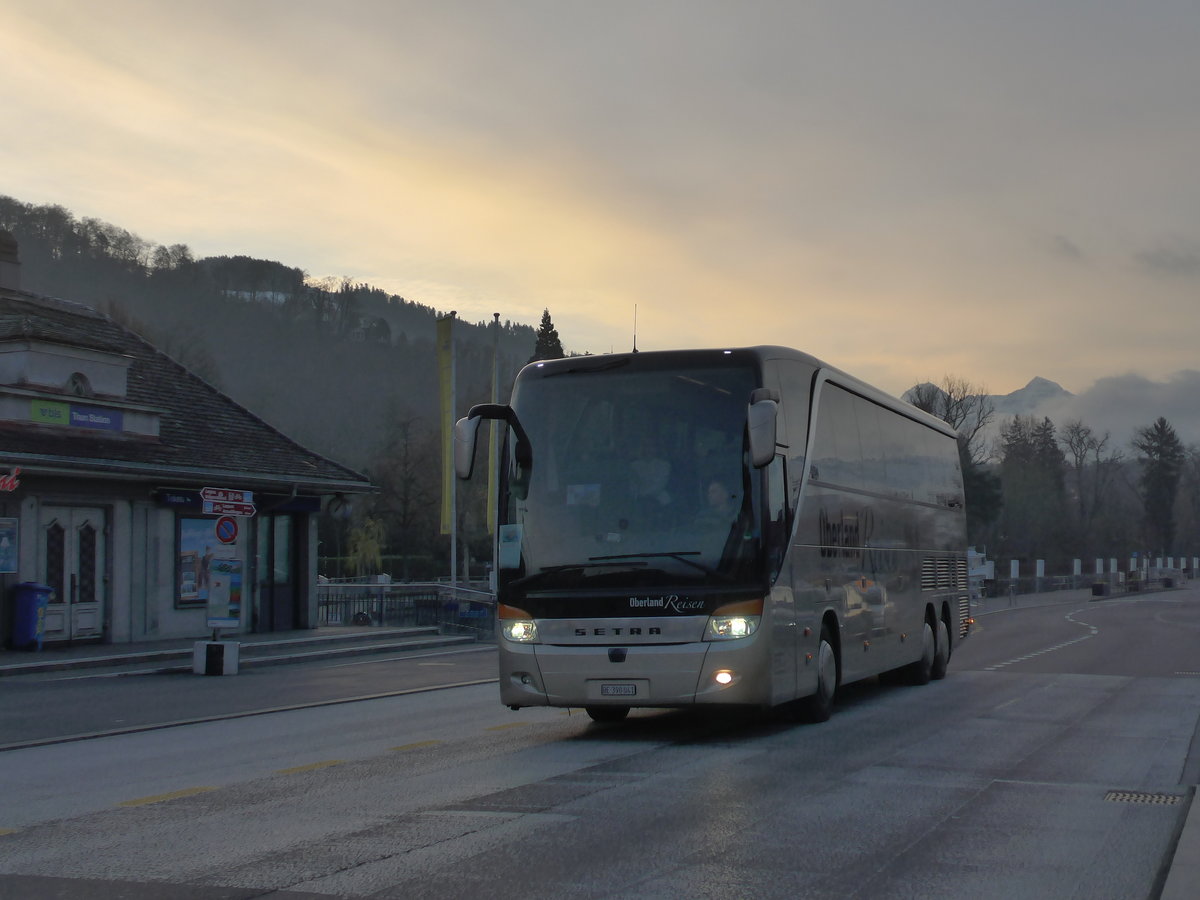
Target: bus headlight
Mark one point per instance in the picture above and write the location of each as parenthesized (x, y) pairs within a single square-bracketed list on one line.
[(523, 631), (517, 625), (734, 620)]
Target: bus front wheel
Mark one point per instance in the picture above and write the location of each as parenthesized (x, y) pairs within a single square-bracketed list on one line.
[(607, 713), (818, 707)]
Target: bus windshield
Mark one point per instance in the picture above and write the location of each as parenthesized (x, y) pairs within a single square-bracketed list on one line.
[(638, 478)]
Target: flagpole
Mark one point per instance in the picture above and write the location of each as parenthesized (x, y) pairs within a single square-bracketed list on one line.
[(494, 449), (447, 389)]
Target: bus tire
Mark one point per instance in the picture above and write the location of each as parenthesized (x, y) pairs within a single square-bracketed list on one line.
[(921, 671), (818, 707), (941, 656), (607, 713)]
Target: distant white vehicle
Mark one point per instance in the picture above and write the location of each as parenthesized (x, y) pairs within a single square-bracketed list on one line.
[(719, 527)]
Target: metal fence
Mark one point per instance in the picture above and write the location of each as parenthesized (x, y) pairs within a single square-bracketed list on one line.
[(451, 609), (1103, 584)]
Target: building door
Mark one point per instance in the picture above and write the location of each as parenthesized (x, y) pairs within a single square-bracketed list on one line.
[(277, 568), (73, 555)]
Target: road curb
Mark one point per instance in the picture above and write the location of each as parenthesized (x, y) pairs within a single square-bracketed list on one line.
[(1183, 875)]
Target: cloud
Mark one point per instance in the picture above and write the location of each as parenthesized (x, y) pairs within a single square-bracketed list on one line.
[(1177, 258), (1065, 248)]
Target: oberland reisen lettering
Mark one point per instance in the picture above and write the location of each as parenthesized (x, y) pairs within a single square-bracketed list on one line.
[(673, 602)]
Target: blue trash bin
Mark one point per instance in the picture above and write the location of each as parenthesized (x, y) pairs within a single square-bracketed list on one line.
[(29, 616)]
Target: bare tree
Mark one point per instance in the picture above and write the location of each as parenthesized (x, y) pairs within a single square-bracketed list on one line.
[(1093, 468), (965, 407)]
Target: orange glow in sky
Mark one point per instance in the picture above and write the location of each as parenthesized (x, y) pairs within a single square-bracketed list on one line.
[(906, 190)]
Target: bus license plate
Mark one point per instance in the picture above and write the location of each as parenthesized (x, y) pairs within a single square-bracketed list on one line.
[(618, 690)]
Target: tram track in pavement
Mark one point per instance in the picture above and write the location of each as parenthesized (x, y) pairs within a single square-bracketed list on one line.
[(50, 709), (239, 714)]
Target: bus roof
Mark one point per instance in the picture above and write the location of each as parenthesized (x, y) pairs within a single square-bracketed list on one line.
[(648, 360)]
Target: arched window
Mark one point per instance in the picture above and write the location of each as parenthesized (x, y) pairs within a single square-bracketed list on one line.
[(79, 385)]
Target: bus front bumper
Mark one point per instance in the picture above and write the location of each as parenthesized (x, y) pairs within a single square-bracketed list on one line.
[(727, 672)]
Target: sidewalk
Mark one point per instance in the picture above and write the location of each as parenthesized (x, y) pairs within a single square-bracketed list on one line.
[(1182, 880), (255, 649)]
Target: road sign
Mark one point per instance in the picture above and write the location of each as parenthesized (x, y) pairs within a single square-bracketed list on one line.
[(226, 495), (227, 530), (221, 508)]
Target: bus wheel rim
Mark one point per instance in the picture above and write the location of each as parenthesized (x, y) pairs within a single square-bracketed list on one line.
[(826, 670)]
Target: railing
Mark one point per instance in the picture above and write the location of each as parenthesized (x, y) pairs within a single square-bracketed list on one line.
[(1139, 580), (451, 609)]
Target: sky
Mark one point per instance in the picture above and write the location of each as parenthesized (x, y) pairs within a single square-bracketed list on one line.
[(904, 188)]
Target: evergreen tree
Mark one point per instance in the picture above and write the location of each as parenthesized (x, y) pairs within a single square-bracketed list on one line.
[(981, 489), (1162, 464), (548, 345), (1032, 470)]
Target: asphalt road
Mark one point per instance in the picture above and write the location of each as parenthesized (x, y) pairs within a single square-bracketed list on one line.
[(1057, 760)]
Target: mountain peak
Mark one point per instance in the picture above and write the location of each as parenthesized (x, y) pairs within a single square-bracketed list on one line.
[(1040, 384)]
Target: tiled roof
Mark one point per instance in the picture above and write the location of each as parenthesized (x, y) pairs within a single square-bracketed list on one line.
[(202, 431)]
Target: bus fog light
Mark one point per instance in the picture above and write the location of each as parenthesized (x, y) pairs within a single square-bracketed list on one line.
[(723, 677)]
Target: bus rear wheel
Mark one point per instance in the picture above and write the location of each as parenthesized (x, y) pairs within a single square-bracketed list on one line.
[(607, 713), (941, 656), (922, 670)]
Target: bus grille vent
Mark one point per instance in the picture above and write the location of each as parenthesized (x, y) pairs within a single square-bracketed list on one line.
[(943, 574)]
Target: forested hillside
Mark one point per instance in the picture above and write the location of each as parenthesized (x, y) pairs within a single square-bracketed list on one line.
[(332, 364)]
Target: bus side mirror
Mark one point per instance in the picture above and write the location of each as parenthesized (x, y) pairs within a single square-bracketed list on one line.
[(761, 418), (466, 430)]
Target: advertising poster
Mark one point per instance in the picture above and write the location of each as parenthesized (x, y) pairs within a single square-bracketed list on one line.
[(224, 593), (200, 551)]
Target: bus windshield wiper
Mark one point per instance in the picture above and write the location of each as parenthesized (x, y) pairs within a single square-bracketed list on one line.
[(567, 567), (677, 555)]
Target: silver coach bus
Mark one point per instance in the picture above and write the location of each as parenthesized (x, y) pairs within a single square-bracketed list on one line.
[(747, 527)]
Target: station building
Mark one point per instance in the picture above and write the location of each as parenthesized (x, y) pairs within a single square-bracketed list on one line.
[(144, 498)]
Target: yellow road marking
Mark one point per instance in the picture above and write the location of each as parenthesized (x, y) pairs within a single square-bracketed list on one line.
[(8, 831), (324, 764), (416, 746), (161, 798), (508, 725)]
